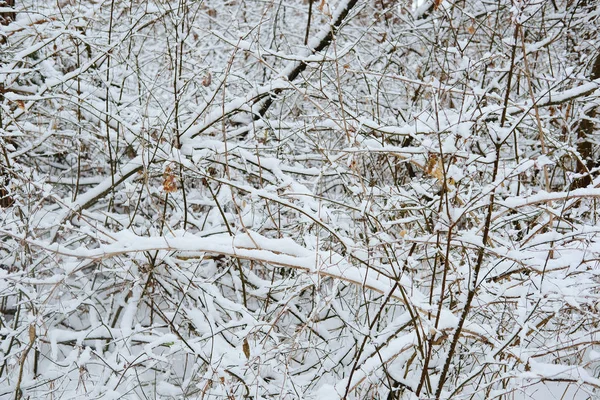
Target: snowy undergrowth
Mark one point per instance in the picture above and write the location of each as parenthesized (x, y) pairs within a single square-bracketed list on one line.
[(235, 199)]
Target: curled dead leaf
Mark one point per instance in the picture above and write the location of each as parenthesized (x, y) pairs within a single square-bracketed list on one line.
[(324, 8), (434, 166), (206, 81), (246, 348), (169, 181)]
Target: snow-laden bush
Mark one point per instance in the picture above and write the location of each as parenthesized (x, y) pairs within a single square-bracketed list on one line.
[(299, 199)]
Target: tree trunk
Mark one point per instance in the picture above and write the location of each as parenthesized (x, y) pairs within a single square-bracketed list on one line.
[(585, 132)]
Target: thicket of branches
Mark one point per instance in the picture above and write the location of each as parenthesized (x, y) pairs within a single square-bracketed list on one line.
[(299, 199)]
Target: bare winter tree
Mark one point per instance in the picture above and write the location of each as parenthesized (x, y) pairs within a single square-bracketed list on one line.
[(299, 199)]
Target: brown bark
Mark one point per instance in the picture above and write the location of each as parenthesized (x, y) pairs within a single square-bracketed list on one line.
[(7, 17), (585, 131)]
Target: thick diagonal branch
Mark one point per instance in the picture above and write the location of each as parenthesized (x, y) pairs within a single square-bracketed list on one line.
[(318, 43)]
